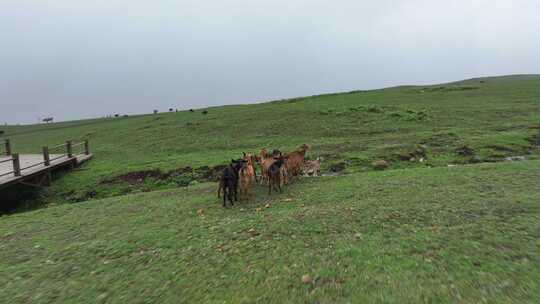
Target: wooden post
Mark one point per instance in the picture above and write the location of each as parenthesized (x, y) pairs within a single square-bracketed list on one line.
[(86, 147), (69, 149), (8, 147), (46, 158), (16, 164)]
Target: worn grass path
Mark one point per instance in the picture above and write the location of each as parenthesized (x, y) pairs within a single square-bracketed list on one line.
[(467, 234)]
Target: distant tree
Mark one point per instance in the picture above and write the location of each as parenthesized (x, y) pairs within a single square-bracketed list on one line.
[(116, 115), (48, 119), (205, 112), (155, 111), (2, 132), (191, 110), (170, 109)]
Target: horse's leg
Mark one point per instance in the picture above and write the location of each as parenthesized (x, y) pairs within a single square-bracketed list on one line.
[(225, 196), (231, 193)]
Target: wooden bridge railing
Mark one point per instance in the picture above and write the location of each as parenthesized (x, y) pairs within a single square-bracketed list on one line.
[(16, 165), (67, 147), (6, 145)]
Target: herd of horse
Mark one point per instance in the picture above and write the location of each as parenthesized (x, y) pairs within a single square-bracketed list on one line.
[(239, 178)]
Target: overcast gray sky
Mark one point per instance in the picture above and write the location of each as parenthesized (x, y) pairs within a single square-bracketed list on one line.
[(76, 59)]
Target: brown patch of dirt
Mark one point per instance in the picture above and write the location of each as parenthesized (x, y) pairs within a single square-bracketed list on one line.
[(201, 174), (338, 167), (440, 139), (500, 148), (137, 177), (179, 171), (534, 140), (465, 151), (418, 153), (210, 173)]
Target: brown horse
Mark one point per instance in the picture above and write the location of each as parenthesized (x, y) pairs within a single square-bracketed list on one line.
[(295, 159), (246, 178)]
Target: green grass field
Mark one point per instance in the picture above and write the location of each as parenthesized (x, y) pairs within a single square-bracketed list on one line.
[(419, 231)]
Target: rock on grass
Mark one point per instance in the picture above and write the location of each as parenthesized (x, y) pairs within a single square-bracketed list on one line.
[(306, 279), (380, 164)]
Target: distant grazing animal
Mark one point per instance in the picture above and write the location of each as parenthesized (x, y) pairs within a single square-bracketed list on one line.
[(228, 182), (295, 160), (275, 174), (312, 167), (246, 178), (204, 112), (48, 119)]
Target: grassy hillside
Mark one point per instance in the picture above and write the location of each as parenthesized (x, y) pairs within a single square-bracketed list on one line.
[(478, 120), (465, 234), (453, 219)]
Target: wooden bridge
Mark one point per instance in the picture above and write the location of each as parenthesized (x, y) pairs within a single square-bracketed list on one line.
[(35, 169)]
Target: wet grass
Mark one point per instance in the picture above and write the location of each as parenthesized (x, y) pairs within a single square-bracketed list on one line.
[(440, 235)]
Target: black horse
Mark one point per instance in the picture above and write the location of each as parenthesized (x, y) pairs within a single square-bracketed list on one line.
[(229, 181)]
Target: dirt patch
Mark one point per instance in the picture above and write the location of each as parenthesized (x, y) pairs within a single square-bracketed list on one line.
[(464, 151), (338, 167), (137, 177), (441, 139), (500, 148), (192, 124), (377, 111), (182, 176), (469, 156), (534, 140), (354, 111), (410, 115), (418, 153), (210, 173)]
